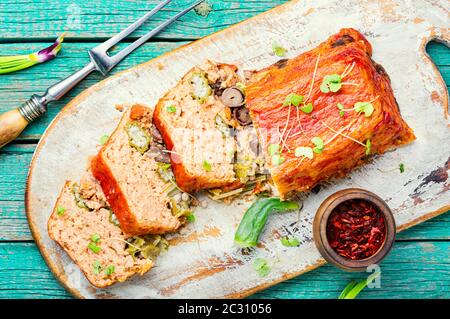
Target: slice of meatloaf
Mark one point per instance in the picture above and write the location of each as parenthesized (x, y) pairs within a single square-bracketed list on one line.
[(131, 179), (85, 227), (353, 112), (194, 119)]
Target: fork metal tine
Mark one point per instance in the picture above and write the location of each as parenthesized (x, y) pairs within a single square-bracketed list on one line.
[(108, 44), (99, 55), (122, 54)]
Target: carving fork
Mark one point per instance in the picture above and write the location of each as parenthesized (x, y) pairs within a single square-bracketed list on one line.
[(13, 122)]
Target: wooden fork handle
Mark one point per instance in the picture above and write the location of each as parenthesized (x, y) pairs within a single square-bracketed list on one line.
[(12, 123)]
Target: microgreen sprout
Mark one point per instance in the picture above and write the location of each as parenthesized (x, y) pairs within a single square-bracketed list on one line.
[(261, 266), (318, 143), (273, 149), (341, 109), (293, 99), (171, 109), (104, 139), (277, 159), (304, 151), (207, 166), (190, 218), (289, 241), (331, 83), (278, 50), (307, 108), (60, 211), (364, 107)]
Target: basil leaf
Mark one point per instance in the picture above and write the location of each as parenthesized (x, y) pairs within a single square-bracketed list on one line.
[(255, 219)]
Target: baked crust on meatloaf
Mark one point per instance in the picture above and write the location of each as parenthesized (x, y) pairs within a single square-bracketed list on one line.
[(201, 156), (347, 54), (130, 179), (79, 216)]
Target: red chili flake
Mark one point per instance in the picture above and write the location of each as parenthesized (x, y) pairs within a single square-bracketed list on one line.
[(356, 229)]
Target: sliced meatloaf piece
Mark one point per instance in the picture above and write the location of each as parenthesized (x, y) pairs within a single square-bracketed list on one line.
[(130, 177), (85, 227), (194, 119), (320, 114)]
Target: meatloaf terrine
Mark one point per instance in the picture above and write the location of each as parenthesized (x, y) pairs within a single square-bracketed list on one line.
[(320, 114), (138, 187), (85, 227), (194, 118)]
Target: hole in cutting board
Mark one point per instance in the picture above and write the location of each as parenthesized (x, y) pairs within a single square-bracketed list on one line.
[(440, 54)]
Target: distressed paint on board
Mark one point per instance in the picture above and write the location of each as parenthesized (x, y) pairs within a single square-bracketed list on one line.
[(214, 268)]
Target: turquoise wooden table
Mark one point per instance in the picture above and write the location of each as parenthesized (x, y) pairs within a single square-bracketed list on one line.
[(418, 267)]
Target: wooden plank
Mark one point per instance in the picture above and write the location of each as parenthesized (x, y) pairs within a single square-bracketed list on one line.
[(102, 19), (17, 87), (14, 163), (412, 270)]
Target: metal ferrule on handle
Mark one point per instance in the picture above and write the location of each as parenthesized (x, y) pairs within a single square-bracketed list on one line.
[(33, 108)]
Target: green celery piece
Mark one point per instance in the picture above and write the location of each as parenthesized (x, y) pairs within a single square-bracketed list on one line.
[(255, 219)]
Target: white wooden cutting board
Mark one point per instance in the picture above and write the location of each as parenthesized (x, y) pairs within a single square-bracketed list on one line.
[(202, 262)]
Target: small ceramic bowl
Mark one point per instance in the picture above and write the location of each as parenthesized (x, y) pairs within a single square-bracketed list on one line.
[(320, 233)]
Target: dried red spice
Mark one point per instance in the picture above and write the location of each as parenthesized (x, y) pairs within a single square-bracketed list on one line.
[(356, 229)]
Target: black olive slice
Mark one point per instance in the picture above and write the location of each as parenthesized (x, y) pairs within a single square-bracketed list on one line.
[(232, 97), (242, 115)]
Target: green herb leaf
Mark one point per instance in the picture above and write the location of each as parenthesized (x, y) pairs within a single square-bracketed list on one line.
[(319, 144), (278, 50), (304, 151), (308, 108), (293, 99), (261, 266), (277, 159), (352, 291), (95, 238), (273, 149), (289, 241), (96, 267), (207, 166), (94, 248), (401, 167), (104, 139), (60, 211), (110, 270), (255, 218), (331, 83), (364, 107), (190, 218), (171, 109), (368, 146), (341, 109)]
